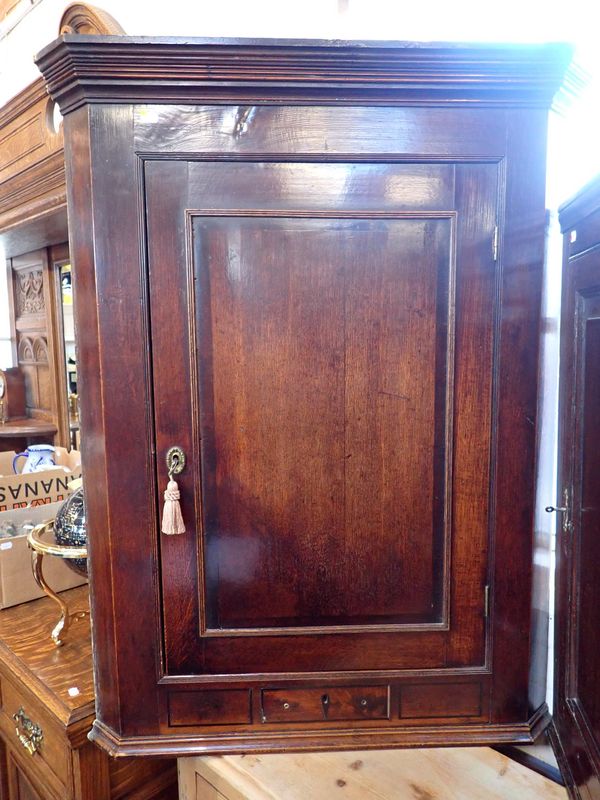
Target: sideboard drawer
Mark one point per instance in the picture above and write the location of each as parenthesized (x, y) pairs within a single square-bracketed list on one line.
[(51, 755), (326, 703)]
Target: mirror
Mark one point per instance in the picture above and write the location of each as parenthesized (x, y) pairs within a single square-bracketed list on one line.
[(68, 361)]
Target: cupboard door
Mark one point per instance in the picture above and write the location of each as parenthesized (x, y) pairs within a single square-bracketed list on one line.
[(577, 701), (322, 350)]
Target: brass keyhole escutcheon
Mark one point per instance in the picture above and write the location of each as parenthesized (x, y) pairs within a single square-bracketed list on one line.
[(175, 459)]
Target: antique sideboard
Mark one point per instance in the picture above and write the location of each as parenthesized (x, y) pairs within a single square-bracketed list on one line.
[(47, 710)]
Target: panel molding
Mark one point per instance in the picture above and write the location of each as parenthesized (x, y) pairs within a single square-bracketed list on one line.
[(206, 631)]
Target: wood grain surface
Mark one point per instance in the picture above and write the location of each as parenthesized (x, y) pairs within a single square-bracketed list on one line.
[(436, 774), (54, 686), (26, 646), (302, 258)]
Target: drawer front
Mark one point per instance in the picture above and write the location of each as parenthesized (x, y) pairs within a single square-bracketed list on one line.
[(323, 704), (24, 782), (441, 700), (216, 707), (51, 758)]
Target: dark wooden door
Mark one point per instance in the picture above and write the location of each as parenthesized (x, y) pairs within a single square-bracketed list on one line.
[(577, 699), (322, 348)]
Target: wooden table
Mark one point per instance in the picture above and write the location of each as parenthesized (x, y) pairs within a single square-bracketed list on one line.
[(18, 434), (467, 773), (54, 687)]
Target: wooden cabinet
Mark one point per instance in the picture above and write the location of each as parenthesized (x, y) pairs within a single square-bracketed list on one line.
[(577, 704), (326, 262), (45, 753)]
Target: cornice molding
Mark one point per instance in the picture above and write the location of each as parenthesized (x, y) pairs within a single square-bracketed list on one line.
[(83, 69), (573, 84), (581, 205)]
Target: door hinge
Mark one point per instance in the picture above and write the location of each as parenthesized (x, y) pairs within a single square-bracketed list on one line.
[(495, 244), (486, 601)]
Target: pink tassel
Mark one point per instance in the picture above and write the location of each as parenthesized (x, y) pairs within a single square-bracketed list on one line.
[(172, 520)]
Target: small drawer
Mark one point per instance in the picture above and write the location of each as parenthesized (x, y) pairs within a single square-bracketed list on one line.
[(38, 732), (439, 700), (210, 707), (332, 703)]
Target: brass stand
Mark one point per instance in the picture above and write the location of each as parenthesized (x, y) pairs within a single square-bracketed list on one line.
[(41, 549)]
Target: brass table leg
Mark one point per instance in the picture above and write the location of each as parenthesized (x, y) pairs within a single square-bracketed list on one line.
[(66, 618), (39, 550)]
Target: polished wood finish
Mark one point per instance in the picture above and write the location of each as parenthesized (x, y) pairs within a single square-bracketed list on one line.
[(436, 774), (577, 706), (55, 687), (303, 261)]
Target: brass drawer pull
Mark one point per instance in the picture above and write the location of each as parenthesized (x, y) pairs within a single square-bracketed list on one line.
[(30, 735)]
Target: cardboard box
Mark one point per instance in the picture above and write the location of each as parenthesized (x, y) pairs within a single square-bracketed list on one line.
[(45, 491), (17, 584), (37, 488)]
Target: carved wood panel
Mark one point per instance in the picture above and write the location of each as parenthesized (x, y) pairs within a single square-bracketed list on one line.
[(36, 339), (29, 294)]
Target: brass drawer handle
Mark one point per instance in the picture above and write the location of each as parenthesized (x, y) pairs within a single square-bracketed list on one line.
[(30, 735)]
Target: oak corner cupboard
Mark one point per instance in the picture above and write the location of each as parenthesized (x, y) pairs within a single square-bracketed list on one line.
[(316, 268)]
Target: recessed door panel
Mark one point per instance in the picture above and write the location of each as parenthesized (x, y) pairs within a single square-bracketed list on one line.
[(322, 364)]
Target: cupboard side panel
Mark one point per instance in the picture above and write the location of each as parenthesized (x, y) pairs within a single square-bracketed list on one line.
[(111, 318), (513, 478)]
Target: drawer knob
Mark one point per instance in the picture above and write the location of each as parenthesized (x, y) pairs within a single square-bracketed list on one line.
[(29, 734)]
